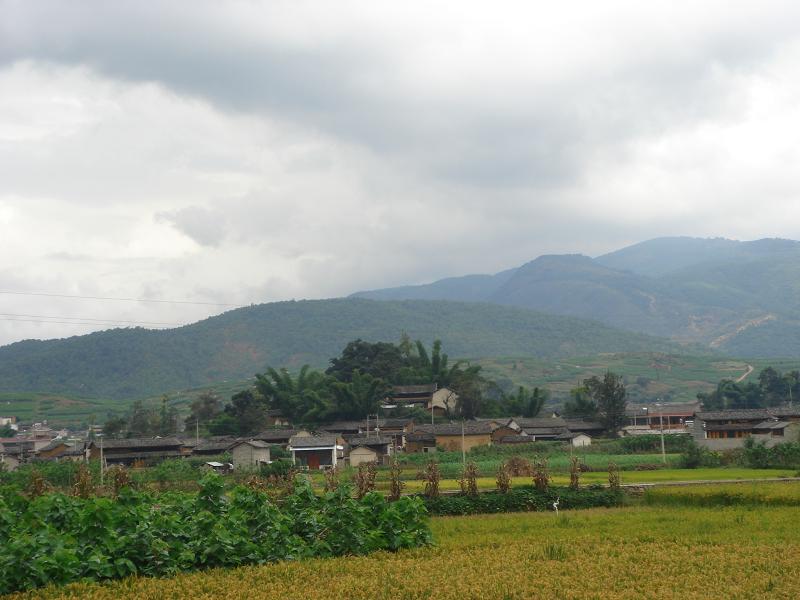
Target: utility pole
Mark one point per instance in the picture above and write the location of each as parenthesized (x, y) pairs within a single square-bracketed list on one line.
[(102, 459), (661, 425), (463, 450)]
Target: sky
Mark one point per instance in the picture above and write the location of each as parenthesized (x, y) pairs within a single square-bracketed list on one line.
[(223, 154)]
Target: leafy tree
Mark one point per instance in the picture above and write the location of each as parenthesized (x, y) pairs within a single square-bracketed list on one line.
[(203, 409), (360, 397), (470, 386), (611, 398), (381, 359), (224, 424), (580, 406), (114, 426), (248, 410), (732, 395), (142, 421), (304, 399), (6, 431), (525, 403)]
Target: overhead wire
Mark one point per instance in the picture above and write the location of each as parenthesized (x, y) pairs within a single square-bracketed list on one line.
[(152, 300)]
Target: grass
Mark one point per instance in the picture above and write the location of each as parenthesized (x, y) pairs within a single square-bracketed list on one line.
[(635, 552)]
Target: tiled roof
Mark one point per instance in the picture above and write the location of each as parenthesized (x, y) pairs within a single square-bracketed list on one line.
[(313, 441), (139, 443), (364, 440), (526, 422), (470, 428)]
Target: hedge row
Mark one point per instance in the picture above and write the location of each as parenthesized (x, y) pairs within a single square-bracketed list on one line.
[(525, 499)]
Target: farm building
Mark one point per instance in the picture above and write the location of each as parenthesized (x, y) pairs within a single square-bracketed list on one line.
[(136, 451), (367, 449), (427, 396), (316, 451), (451, 436), (280, 436), (249, 454), (727, 429), (213, 446), (575, 438)]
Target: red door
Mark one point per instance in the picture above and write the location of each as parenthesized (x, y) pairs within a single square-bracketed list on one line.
[(313, 460)]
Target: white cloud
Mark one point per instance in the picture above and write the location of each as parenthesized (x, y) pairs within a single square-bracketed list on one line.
[(246, 151)]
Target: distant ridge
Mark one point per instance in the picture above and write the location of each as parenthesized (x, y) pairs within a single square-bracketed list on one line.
[(746, 294), (133, 363)]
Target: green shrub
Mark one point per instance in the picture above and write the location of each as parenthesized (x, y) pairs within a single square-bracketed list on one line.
[(56, 539)]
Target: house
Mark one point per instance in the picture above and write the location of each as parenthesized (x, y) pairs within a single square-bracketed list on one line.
[(454, 436), (9, 422), (542, 428), (275, 418), (394, 428), (249, 454), (214, 446), (60, 450), (9, 462), (316, 451), (727, 429), (420, 441), (367, 449), (138, 451), (590, 428), (20, 447), (672, 417), (575, 439), (427, 396), (279, 436)]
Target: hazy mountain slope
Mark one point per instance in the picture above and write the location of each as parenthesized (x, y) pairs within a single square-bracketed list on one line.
[(688, 289), (129, 363), (469, 288), (662, 256)]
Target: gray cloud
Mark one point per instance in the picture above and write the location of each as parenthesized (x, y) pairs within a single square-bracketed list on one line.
[(300, 149)]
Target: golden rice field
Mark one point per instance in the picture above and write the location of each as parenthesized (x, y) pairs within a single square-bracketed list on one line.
[(633, 552)]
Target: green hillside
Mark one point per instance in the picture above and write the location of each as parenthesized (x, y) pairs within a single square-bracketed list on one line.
[(648, 376), (134, 363), (742, 298)]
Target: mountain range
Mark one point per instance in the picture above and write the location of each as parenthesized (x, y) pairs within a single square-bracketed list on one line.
[(741, 298), (136, 362), (671, 295)]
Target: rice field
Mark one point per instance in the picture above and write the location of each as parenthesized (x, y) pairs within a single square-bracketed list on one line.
[(657, 551)]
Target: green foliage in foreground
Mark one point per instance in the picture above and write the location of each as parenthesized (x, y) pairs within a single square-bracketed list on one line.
[(60, 539), (525, 499)]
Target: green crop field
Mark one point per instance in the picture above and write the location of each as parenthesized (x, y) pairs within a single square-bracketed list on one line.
[(648, 375), (647, 551)]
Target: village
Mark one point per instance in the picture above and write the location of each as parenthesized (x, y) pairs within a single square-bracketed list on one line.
[(377, 439)]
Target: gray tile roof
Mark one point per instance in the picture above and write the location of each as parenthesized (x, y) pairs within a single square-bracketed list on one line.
[(166, 442), (313, 441)]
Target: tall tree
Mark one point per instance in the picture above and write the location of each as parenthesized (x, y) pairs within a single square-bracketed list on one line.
[(379, 359), (360, 397), (611, 398), (524, 402), (203, 409), (580, 405), (246, 412), (302, 399)]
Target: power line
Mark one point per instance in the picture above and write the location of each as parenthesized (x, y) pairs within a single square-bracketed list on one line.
[(65, 322), (119, 299), (89, 319)]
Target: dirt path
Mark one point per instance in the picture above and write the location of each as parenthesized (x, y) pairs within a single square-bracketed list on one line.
[(743, 377)]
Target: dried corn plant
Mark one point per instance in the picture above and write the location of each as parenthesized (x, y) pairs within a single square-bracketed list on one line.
[(83, 487), (364, 479), (469, 480), (541, 476), (519, 467), (119, 478), (332, 479), (613, 476), (574, 472), (396, 484), (432, 477), (503, 478)]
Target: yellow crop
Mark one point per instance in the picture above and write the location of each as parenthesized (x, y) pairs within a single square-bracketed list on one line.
[(635, 552)]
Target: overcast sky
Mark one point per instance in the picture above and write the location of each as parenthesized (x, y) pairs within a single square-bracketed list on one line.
[(244, 152)]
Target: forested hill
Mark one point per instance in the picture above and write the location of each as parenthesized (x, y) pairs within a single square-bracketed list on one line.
[(131, 363), (742, 298)]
